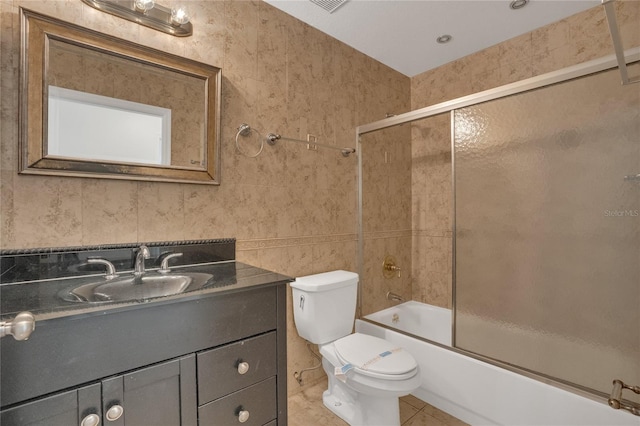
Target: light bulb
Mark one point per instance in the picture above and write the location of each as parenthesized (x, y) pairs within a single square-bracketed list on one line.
[(144, 5), (179, 15)]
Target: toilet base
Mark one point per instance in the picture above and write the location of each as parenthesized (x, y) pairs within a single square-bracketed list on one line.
[(356, 408)]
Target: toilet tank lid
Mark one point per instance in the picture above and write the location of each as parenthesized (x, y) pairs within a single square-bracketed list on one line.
[(325, 281)]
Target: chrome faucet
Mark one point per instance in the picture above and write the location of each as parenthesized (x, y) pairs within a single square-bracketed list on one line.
[(141, 255), (394, 297)]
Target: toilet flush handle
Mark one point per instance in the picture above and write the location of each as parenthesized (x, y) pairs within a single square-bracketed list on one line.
[(302, 302)]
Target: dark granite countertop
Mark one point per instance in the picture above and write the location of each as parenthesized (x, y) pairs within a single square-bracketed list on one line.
[(42, 298)]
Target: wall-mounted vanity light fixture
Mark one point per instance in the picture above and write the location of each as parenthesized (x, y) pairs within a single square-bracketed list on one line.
[(174, 21)]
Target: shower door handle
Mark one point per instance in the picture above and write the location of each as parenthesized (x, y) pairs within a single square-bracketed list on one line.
[(615, 399)]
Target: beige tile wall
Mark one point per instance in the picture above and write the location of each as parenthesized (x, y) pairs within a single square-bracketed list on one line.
[(386, 218), (577, 39), (431, 207), (292, 211)]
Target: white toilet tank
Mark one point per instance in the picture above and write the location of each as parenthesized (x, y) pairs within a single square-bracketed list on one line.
[(324, 305)]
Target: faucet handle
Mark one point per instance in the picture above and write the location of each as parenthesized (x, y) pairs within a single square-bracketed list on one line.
[(164, 266), (111, 270), (389, 267)]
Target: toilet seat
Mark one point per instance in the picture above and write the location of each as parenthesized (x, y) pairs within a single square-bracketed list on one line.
[(375, 357)]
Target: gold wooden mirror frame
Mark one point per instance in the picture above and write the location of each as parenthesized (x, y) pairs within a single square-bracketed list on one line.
[(37, 32)]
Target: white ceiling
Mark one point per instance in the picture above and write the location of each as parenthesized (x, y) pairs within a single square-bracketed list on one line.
[(402, 33)]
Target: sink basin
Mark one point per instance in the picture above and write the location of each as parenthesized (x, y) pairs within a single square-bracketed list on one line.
[(132, 287)]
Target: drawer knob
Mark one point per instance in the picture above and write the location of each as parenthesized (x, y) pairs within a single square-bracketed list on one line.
[(243, 367), (90, 420), (243, 416), (114, 413)]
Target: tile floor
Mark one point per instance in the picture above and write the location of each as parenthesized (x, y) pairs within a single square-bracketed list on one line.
[(306, 409)]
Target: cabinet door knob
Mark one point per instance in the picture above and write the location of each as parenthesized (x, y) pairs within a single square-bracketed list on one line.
[(20, 327), (114, 413), (243, 416), (243, 367), (90, 420)]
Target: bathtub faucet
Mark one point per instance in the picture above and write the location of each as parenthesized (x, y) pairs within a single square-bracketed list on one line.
[(394, 297)]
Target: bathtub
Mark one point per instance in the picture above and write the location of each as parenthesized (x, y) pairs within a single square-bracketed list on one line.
[(475, 391)]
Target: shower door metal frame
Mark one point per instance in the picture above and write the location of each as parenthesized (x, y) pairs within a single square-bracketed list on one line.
[(559, 76), (568, 73)]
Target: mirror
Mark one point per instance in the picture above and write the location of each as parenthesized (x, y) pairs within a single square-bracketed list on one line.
[(96, 106)]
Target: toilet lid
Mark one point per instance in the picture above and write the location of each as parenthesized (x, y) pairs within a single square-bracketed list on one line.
[(374, 356)]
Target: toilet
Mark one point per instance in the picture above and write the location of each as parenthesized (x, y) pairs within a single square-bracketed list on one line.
[(366, 374)]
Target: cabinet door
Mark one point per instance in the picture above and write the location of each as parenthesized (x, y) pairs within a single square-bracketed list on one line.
[(63, 409), (161, 395)]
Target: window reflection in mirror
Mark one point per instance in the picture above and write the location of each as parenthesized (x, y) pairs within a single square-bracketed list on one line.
[(94, 127), (116, 110)]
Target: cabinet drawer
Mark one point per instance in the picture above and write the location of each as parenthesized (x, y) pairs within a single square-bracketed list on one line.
[(258, 400), (219, 370)]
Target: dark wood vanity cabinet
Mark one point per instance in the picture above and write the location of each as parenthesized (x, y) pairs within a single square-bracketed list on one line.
[(162, 394), (66, 408), (216, 360)]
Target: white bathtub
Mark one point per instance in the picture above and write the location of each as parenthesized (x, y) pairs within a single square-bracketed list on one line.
[(431, 322), (477, 392)]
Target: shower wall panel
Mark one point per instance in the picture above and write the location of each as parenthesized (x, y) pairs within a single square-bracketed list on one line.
[(547, 230), (386, 214), (431, 209)]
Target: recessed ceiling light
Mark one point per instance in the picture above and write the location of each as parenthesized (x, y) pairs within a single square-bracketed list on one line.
[(518, 4), (445, 38)]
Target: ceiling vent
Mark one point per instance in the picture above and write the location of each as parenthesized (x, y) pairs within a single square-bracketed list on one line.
[(329, 5)]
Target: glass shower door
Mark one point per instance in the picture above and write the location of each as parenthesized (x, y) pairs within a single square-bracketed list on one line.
[(547, 230)]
